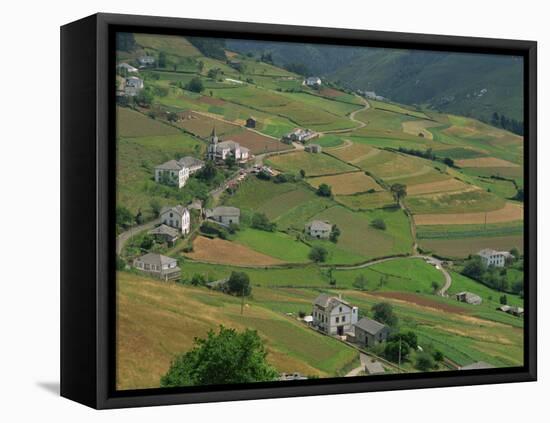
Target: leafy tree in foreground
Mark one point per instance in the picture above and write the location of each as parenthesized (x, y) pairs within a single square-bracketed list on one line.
[(424, 362), (221, 358), (393, 350), (383, 313), (123, 217), (324, 190), (318, 254), (195, 85)]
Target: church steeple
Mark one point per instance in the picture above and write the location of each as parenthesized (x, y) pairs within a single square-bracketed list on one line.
[(213, 136)]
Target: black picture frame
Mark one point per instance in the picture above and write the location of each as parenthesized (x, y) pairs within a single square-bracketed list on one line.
[(87, 210)]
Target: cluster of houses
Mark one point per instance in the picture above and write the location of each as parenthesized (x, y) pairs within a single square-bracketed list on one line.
[(299, 135), (336, 317), (132, 83)]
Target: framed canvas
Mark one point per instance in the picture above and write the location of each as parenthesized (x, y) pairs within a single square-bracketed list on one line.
[(257, 211)]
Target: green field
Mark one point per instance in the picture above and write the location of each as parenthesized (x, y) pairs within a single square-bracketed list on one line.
[(461, 202), (274, 244), (312, 164)]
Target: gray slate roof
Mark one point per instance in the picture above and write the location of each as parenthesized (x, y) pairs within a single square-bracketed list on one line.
[(156, 259), (319, 225), (370, 326), (329, 302), (179, 209), (189, 161), (169, 165), (224, 211), (164, 230)]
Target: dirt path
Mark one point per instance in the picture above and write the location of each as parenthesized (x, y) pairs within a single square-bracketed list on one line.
[(126, 235), (355, 372), (352, 118)]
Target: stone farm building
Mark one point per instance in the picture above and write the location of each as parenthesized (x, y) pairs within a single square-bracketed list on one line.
[(514, 311), (318, 229), (491, 257), (369, 332), (159, 266), (313, 81), (165, 233), (176, 217), (469, 298), (133, 86), (313, 148), (128, 68), (177, 172), (333, 315), (251, 122), (146, 60), (225, 215), (221, 150), (300, 135)]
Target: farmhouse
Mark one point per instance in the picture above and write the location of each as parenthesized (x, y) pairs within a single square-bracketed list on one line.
[(164, 233), (133, 86), (225, 215), (333, 315), (191, 163), (491, 257), (515, 311), (313, 81), (172, 172), (469, 298), (251, 122), (146, 60), (313, 148), (369, 332), (318, 229), (177, 217), (300, 135), (158, 266), (220, 150), (126, 67)]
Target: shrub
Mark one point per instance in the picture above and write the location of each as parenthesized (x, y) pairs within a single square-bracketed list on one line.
[(379, 224), (318, 254)]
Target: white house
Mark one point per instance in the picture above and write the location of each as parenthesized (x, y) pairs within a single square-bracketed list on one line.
[(172, 173), (128, 68), (177, 217), (313, 81), (157, 265), (221, 150), (225, 215), (146, 60), (318, 229), (300, 135), (333, 315), (491, 257), (133, 85)]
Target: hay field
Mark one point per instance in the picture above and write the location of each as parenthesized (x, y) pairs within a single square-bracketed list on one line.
[(346, 183), (509, 213)]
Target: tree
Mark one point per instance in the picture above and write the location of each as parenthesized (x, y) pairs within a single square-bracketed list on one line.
[(145, 97), (379, 224), (515, 252), (123, 217), (230, 162), (395, 350), (449, 162), (120, 263), (335, 234), (261, 222), (239, 284), (383, 313), (424, 362), (361, 282), (503, 299), (435, 286), (318, 254), (208, 171), (221, 358), (200, 66), (195, 85), (474, 268), (399, 192), (324, 190), (198, 280), (162, 59), (302, 173), (409, 338), (438, 355)]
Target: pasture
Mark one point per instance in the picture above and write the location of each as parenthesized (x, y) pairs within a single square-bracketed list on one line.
[(366, 201), (510, 212), (275, 244), (131, 123), (465, 202), (346, 183), (463, 247), (312, 164)]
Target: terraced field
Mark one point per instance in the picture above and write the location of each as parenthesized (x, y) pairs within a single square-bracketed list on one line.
[(312, 164), (347, 183)]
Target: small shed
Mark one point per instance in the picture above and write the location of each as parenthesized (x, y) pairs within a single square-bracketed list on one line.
[(313, 148), (369, 332), (251, 122), (469, 298)]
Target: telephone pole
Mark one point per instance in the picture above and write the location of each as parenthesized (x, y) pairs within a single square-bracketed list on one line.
[(399, 360), (242, 301)]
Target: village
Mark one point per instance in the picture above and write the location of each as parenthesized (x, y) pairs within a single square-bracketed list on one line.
[(167, 245)]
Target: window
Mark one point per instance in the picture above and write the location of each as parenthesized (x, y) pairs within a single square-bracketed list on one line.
[(340, 309), (337, 320), (343, 319)]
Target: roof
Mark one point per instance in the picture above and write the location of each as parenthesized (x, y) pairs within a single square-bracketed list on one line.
[(476, 366), (179, 209), (228, 144), (329, 302), (486, 252), (164, 230), (370, 326), (308, 319), (169, 165), (374, 367), (225, 211), (189, 161), (319, 225), (156, 259), (468, 295)]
